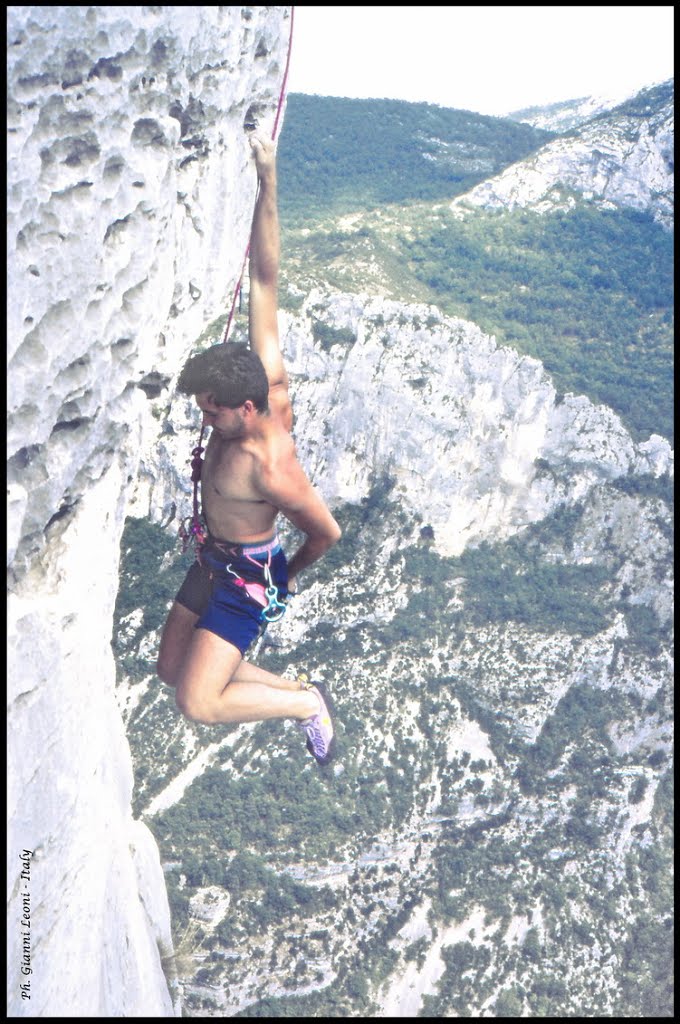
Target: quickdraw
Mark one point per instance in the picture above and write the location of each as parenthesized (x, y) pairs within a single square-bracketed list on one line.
[(190, 531), (191, 528)]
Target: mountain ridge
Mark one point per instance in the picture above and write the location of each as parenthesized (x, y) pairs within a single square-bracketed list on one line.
[(565, 115), (332, 151), (622, 156)]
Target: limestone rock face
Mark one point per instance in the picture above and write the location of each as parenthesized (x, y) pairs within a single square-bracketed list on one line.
[(630, 164), (130, 194), (472, 437)]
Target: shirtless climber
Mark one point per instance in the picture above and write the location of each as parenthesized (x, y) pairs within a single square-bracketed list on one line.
[(250, 474)]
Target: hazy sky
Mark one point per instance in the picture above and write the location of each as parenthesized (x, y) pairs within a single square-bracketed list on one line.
[(488, 59)]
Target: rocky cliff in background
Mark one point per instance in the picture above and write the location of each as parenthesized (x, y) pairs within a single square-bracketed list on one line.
[(461, 425), (130, 192), (623, 157), (565, 115)]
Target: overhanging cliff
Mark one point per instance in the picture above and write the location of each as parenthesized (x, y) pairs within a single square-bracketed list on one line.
[(130, 192)]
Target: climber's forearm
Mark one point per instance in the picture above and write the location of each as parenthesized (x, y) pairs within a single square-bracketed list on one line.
[(265, 250)]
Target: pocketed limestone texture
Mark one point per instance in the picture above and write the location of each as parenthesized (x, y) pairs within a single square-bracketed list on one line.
[(129, 200)]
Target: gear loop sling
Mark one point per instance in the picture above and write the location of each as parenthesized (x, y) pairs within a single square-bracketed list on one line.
[(192, 528)]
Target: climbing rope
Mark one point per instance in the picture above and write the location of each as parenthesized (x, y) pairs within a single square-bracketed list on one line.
[(191, 529), (282, 94)]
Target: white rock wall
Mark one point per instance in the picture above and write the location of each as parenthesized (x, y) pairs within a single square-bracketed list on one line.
[(458, 422), (130, 191)]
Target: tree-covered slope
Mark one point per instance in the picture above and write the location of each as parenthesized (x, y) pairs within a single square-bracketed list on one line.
[(341, 155), (588, 292)]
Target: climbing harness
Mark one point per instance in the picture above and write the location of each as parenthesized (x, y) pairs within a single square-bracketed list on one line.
[(192, 528), (268, 596)]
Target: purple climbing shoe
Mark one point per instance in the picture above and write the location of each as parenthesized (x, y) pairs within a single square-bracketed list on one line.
[(319, 728)]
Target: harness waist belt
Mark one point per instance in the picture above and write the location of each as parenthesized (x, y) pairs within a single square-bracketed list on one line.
[(233, 547)]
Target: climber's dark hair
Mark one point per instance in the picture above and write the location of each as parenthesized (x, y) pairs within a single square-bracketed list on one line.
[(232, 373)]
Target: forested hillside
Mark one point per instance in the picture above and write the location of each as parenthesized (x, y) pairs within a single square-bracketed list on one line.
[(341, 155), (588, 291)]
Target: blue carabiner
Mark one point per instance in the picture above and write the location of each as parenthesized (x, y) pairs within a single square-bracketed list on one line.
[(275, 609)]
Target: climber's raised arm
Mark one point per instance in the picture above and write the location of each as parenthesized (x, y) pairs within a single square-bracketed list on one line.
[(264, 275), (241, 577)]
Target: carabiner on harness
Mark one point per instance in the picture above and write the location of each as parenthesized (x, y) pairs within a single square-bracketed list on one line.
[(275, 609), (191, 529)]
